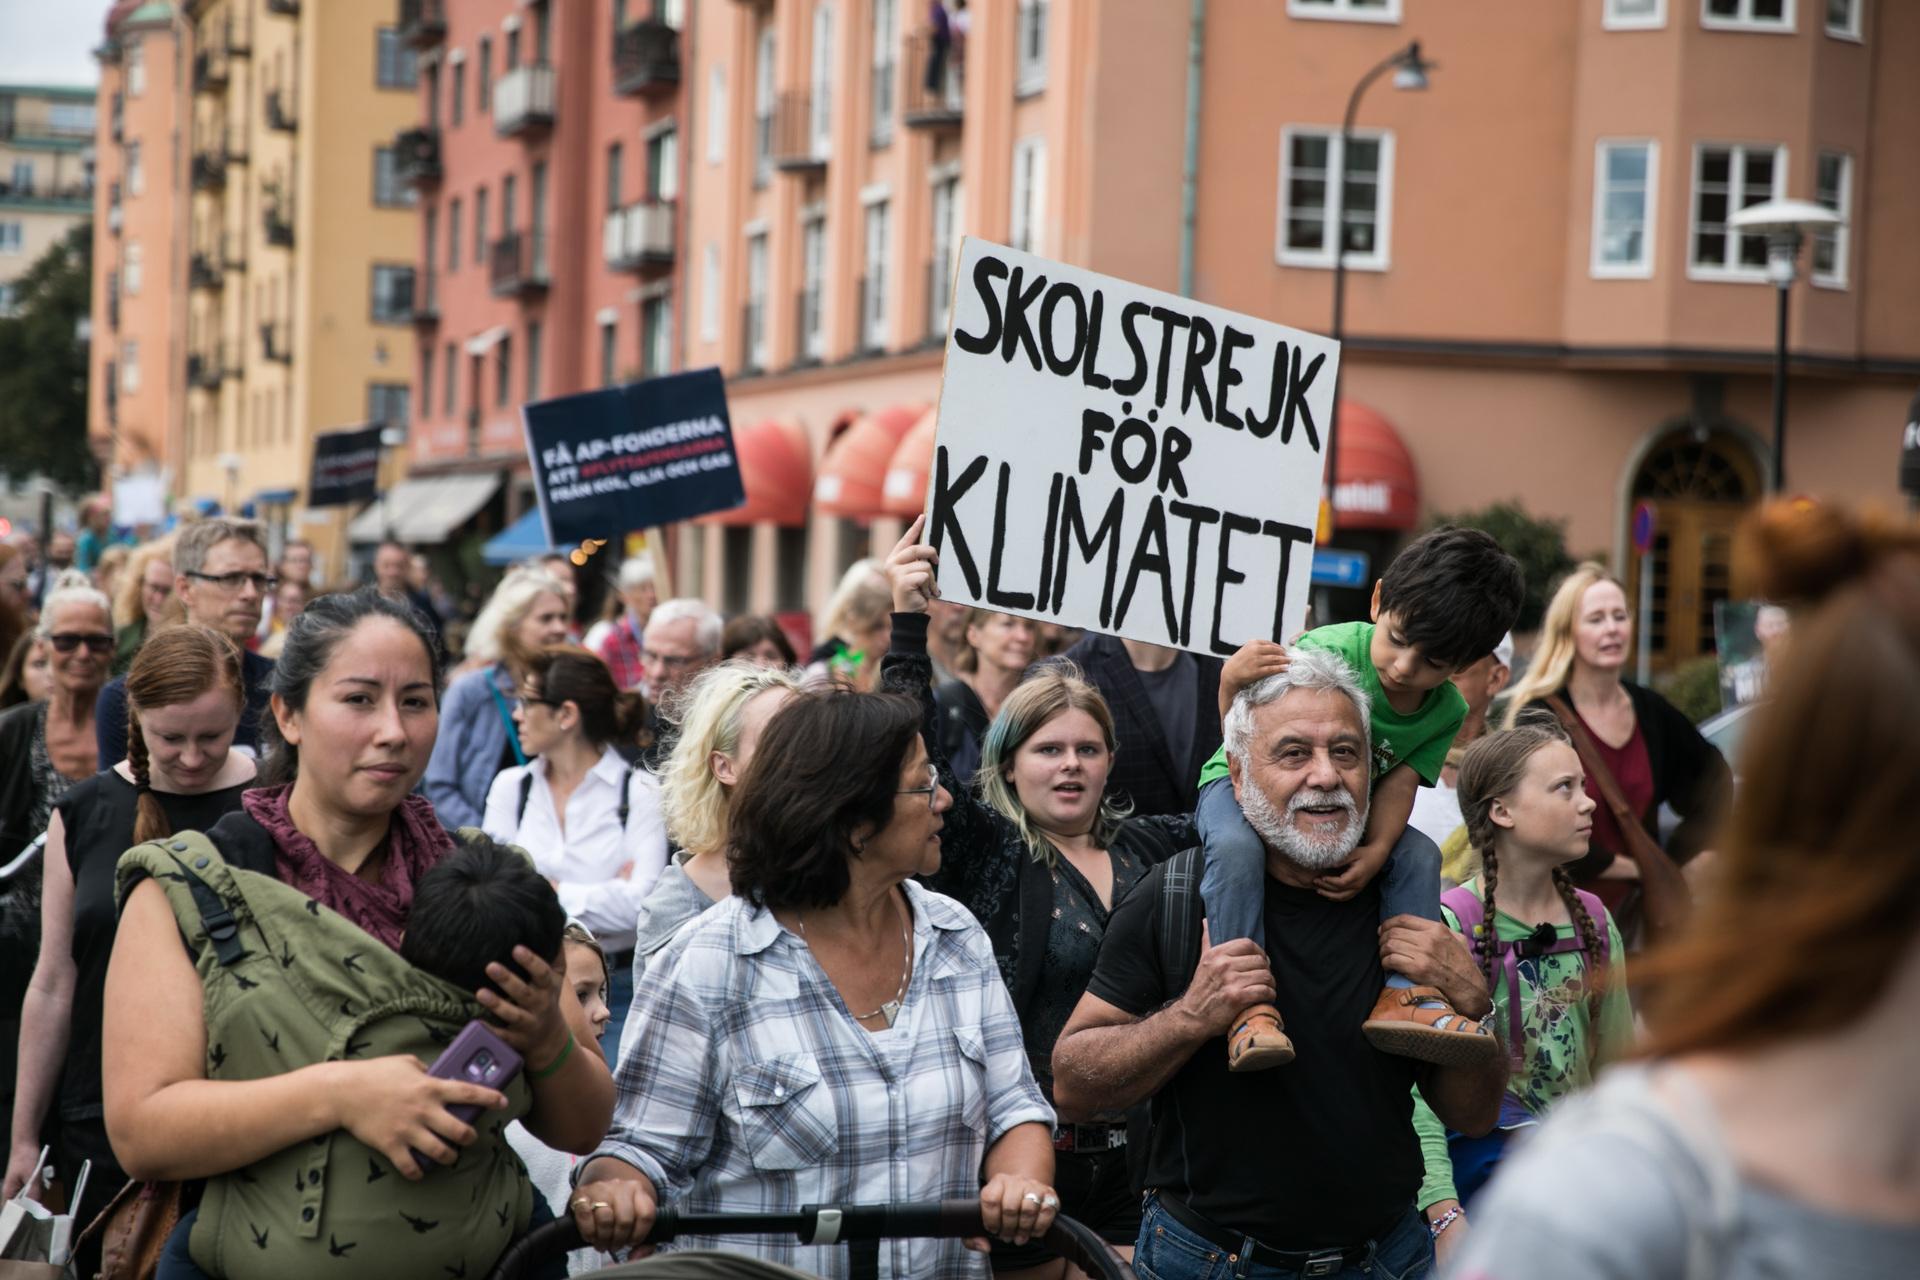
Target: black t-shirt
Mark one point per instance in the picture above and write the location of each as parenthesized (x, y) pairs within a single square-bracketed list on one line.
[(1315, 1154), (1175, 696)]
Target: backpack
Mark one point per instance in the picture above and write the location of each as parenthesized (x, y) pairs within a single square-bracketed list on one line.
[(1471, 912), (1179, 937), (626, 797), (287, 983)]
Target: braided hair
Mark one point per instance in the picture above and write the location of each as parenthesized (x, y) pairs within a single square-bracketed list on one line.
[(177, 664)]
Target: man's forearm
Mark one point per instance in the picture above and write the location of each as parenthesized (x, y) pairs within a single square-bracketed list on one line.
[(1108, 1069)]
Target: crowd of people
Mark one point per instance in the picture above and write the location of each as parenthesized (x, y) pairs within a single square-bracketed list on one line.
[(1367, 953)]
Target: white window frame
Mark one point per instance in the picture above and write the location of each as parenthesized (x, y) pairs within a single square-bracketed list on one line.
[(813, 277), (710, 293), (665, 136), (764, 96), (883, 71), (136, 171), (758, 272), (1027, 198), (1030, 73), (13, 240), (943, 224), (129, 366), (1855, 26), (876, 252), (1736, 168), (1611, 19), (136, 68), (1598, 267), (1334, 216), (132, 271), (1745, 21), (1842, 205), (716, 114), (820, 84), (1342, 11), (656, 334)]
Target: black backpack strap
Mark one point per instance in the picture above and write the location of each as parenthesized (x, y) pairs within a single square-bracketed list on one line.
[(222, 929), (526, 792), (1179, 939), (626, 793)]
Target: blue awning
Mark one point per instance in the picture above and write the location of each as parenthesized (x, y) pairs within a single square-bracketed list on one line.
[(206, 506), (275, 497), (524, 537)]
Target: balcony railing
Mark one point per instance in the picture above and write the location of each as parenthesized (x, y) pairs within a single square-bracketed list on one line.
[(209, 170), (753, 337), (809, 331), (285, 8), (646, 59), (423, 23), (523, 100), (426, 298), (517, 264), (416, 155), (204, 370), (276, 341), (113, 309), (203, 272), (934, 98), (209, 71), (239, 39), (280, 113), (278, 225), (800, 132), (639, 236)]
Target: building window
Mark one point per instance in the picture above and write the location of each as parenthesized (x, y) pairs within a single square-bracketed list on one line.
[(480, 225), (1748, 15), (129, 366), (433, 94), (1843, 19), (813, 287), (763, 108), (716, 114), (1634, 15), (663, 164), (656, 333), (873, 312), (392, 294), (1726, 179), (388, 403), (756, 317), (23, 177), (13, 239), (535, 334), (615, 155), (946, 240), (510, 56), (483, 75), (395, 65), (136, 172), (1312, 204), (426, 381), (710, 293), (609, 334), (503, 373), (509, 201), (132, 271), (1026, 228), (1030, 75), (450, 370), (453, 235), (136, 69), (457, 94), (1833, 189), (67, 117), (390, 191), (1346, 10), (886, 49), (1625, 195), (820, 101)]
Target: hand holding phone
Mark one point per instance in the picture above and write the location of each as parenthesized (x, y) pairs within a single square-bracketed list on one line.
[(476, 1056)]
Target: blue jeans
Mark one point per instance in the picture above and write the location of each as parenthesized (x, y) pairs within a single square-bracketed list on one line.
[(1234, 885), (175, 1262), (620, 1001), (1166, 1250)]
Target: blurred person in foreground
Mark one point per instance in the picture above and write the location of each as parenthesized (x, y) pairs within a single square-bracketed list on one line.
[(621, 645)]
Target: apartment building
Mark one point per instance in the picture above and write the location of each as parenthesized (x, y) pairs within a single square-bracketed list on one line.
[(136, 396), (46, 175)]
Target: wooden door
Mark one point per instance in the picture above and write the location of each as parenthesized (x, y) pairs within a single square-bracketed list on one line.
[(1699, 488)]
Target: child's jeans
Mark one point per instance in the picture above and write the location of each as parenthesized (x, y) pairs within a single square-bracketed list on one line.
[(1234, 885)]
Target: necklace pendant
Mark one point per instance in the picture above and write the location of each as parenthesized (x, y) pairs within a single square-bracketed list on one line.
[(889, 1011)]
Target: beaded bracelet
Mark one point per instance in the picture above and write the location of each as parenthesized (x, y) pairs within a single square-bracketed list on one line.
[(1444, 1221), (558, 1062)]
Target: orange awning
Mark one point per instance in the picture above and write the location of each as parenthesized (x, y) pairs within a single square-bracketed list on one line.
[(855, 469), (776, 467), (904, 492), (1375, 486)]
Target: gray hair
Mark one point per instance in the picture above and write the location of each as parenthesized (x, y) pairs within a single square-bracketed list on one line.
[(193, 542), (634, 571), (507, 608), (706, 623), (72, 587), (1314, 670)]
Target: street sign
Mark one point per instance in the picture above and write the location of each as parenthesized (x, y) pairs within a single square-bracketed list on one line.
[(1910, 451), (1643, 527), (1333, 568)]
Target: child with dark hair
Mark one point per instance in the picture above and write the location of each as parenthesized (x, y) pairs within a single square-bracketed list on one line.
[(1443, 604), (474, 907)]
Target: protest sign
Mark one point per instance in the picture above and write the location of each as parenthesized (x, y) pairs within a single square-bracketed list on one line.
[(346, 467), (1117, 458), (1746, 633), (622, 458)]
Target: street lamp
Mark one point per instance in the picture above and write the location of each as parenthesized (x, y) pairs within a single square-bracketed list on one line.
[(1410, 70), (1785, 224)]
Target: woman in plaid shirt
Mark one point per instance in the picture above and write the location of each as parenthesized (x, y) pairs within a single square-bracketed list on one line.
[(834, 1032)]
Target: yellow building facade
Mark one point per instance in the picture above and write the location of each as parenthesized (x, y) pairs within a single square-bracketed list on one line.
[(46, 184)]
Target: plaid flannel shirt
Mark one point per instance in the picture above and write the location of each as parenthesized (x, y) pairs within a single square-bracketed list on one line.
[(749, 1088), (620, 650)]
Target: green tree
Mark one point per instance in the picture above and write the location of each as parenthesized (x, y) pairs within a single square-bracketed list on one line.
[(1539, 543), (43, 369)]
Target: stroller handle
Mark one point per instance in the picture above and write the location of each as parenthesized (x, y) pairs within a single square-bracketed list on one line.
[(825, 1225)]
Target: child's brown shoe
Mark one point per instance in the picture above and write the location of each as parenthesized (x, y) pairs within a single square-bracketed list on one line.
[(1417, 1022), (1257, 1042)]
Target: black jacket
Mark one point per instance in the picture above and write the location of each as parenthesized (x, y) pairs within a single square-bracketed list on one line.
[(1144, 770), (16, 777)]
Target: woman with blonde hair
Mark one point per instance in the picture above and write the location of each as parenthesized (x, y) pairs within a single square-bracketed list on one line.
[(144, 600), (478, 738), (1648, 749), (855, 628)]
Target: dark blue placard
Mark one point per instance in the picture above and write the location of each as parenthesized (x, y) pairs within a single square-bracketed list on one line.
[(622, 458), (346, 467)]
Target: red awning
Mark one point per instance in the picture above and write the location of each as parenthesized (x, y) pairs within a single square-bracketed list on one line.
[(1375, 486), (855, 468), (776, 466), (904, 493)]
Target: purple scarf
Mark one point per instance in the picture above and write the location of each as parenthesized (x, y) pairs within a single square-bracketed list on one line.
[(415, 841)]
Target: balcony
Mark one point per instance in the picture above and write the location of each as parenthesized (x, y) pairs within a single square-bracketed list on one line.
[(203, 272), (801, 133), (209, 170), (210, 71), (239, 41), (276, 342), (204, 371), (639, 236), (517, 264), (810, 334), (934, 97), (425, 309), (113, 309), (523, 101), (278, 225), (416, 155), (285, 8), (753, 338), (423, 23), (280, 114), (646, 59)]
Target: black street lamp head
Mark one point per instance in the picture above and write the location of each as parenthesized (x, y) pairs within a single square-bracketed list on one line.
[(1411, 69)]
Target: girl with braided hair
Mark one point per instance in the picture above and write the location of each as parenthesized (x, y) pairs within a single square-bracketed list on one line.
[(185, 695), (1552, 956)]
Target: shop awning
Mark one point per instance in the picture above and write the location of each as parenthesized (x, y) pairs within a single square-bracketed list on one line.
[(481, 343), (424, 509), (275, 497), (776, 467), (904, 493), (520, 540), (1375, 486), (854, 472)]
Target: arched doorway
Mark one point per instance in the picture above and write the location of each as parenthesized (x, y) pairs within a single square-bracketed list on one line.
[(1700, 482)]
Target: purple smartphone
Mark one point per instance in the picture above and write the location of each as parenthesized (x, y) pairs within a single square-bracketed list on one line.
[(479, 1057)]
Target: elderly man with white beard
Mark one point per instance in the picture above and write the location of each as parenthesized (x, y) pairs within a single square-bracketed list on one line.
[(1312, 1169)]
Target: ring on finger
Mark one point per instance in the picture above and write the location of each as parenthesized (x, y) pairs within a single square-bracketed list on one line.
[(1032, 1197), (1050, 1202)]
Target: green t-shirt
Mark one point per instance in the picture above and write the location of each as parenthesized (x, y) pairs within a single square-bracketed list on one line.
[(1419, 741)]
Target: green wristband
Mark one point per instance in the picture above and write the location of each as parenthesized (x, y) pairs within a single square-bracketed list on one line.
[(556, 1064)]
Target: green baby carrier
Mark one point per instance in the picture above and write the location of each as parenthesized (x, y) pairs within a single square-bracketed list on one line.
[(288, 983)]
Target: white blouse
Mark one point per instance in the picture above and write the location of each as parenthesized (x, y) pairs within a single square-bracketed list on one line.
[(586, 859)]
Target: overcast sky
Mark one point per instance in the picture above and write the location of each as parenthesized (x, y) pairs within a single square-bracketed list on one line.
[(50, 41)]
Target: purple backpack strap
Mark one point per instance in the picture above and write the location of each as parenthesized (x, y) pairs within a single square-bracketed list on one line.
[(1471, 912), (1597, 911)]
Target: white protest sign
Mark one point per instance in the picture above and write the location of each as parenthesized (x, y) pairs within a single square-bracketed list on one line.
[(1117, 458)]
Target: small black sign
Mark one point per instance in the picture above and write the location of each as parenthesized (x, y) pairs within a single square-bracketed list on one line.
[(346, 467)]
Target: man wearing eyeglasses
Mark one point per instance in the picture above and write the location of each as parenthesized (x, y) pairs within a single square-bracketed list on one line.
[(221, 580), (681, 639)]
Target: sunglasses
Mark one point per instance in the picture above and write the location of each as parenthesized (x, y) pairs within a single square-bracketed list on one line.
[(68, 641)]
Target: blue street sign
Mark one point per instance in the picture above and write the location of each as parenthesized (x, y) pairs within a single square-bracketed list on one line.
[(1333, 568)]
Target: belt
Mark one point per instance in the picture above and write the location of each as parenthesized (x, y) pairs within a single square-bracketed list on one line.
[(1085, 1138), (1307, 1262)]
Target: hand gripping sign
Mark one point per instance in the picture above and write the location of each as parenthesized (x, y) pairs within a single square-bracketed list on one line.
[(1117, 458)]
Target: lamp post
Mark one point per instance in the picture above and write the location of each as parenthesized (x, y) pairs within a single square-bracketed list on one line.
[(1785, 224), (1409, 73)]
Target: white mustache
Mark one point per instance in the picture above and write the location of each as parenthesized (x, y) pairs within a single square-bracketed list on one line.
[(1313, 797)]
